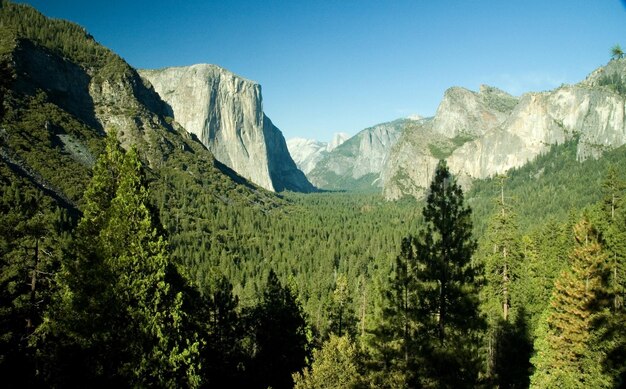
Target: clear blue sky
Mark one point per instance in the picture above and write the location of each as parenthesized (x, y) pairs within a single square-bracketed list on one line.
[(342, 65)]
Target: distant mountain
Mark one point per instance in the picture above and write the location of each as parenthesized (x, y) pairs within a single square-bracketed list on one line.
[(225, 112), (62, 92), (356, 164), (489, 132), (306, 153)]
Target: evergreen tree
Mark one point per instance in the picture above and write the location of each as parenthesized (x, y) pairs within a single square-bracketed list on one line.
[(342, 317), (279, 334), (119, 318), (501, 253), (447, 287), (567, 350), (399, 334), (433, 326), (336, 364), (222, 351), (30, 241)]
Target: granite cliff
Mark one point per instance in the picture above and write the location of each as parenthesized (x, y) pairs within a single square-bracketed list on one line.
[(225, 112), (356, 164), (306, 153), (489, 132)]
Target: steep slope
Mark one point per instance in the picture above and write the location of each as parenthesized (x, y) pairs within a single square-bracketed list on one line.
[(225, 112), (356, 164), (62, 92), (511, 132), (306, 153)]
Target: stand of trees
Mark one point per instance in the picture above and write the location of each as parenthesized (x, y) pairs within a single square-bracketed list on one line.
[(108, 299)]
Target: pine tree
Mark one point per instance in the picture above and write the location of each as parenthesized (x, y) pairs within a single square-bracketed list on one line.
[(30, 241), (398, 336), (342, 317), (431, 332), (279, 334), (222, 350), (447, 287), (336, 364), (501, 253), (119, 318), (567, 355)]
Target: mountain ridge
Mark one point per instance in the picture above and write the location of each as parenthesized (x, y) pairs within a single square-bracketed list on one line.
[(225, 111)]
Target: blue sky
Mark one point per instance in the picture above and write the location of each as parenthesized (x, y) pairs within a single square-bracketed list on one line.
[(342, 65)]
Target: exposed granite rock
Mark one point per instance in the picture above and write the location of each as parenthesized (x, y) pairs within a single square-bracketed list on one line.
[(306, 153), (357, 163), (504, 133), (466, 113), (225, 112)]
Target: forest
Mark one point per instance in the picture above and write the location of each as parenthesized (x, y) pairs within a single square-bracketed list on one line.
[(118, 273), (151, 286)]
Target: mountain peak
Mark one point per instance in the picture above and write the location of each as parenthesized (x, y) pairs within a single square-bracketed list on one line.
[(337, 140), (225, 111)]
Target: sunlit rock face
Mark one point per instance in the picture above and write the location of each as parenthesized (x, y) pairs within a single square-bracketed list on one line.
[(306, 153), (356, 163), (225, 112), (489, 132)]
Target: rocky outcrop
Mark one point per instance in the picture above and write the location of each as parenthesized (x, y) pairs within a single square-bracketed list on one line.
[(225, 112), (506, 133), (306, 153), (357, 163)]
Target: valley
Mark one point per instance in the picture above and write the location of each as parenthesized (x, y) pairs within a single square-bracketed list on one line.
[(157, 230)]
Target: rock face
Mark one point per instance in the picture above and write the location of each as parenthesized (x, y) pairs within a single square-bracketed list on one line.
[(306, 153), (356, 164), (486, 133), (225, 112)]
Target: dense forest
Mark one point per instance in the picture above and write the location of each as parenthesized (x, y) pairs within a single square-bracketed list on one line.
[(115, 271), (321, 290)]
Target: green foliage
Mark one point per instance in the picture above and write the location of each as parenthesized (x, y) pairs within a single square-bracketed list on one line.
[(434, 322), (65, 38), (443, 148), (502, 302), (546, 188), (617, 52), (118, 314), (567, 355), (613, 81), (279, 337), (447, 285), (30, 240), (337, 364)]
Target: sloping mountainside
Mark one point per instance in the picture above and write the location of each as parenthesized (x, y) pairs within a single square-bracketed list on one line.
[(306, 153), (356, 164), (486, 133), (225, 112), (62, 91)]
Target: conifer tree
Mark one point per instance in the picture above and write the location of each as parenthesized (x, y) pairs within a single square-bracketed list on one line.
[(336, 364), (398, 336), (30, 241), (567, 352), (447, 287), (222, 352), (119, 319), (279, 336), (501, 253), (342, 317), (433, 324)]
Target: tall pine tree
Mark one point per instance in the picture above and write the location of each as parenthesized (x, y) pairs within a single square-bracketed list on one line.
[(118, 318), (567, 352), (432, 329), (279, 336), (507, 342), (447, 287)]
